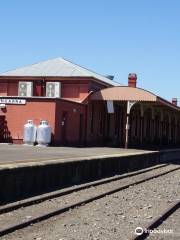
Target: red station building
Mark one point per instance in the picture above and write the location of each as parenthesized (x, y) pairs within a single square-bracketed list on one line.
[(84, 108)]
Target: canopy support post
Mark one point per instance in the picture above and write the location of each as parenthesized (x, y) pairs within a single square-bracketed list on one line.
[(129, 106)]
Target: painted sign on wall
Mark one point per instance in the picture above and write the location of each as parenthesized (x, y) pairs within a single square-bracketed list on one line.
[(12, 101)]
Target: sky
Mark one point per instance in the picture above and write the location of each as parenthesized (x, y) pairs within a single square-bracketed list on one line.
[(114, 37)]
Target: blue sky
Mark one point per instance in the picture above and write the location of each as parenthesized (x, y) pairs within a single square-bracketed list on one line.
[(111, 37)]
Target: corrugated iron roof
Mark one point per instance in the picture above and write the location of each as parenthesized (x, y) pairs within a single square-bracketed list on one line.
[(57, 67), (124, 93)]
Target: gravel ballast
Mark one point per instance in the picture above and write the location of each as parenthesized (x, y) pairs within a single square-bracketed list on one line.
[(169, 229), (113, 217)]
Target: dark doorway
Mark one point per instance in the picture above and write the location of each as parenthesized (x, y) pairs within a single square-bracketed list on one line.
[(118, 126), (108, 139), (117, 129)]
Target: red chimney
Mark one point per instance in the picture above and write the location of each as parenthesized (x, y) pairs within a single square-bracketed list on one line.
[(132, 80), (174, 101)]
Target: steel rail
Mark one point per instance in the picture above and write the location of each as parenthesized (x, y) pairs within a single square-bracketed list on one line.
[(66, 191), (50, 214), (158, 221)]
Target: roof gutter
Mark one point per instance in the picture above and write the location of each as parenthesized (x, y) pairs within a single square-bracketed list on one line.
[(167, 103)]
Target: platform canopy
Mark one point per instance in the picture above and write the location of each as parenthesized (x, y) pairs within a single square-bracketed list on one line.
[(125, 93)]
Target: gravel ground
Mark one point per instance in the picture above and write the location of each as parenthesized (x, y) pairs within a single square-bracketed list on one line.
[(27, 213), (112, 217), (170, 229)]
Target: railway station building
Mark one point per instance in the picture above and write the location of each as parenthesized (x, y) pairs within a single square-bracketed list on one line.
[(84, 108)]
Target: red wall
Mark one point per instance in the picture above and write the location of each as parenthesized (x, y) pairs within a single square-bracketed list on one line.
[(17, 115), (3, 89), (46, 109), (72, 88), (72, 122), (8, 89), (74, 91)]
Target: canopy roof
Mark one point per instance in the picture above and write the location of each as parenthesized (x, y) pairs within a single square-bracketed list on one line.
[(124, 93)]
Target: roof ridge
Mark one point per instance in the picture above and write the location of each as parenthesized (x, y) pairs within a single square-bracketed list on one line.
[(89, 70)]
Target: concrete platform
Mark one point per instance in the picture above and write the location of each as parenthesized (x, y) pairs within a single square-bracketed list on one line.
[(20, 155), (29, 171)]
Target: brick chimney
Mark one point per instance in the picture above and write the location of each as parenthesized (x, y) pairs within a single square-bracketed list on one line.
[(174, 101), (132, 80)]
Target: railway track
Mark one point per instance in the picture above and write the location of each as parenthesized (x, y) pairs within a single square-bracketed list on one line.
[(143, 233), (45, 197), (103, 187)]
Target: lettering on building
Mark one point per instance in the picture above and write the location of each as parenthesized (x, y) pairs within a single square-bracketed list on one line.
[(12, 101)]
